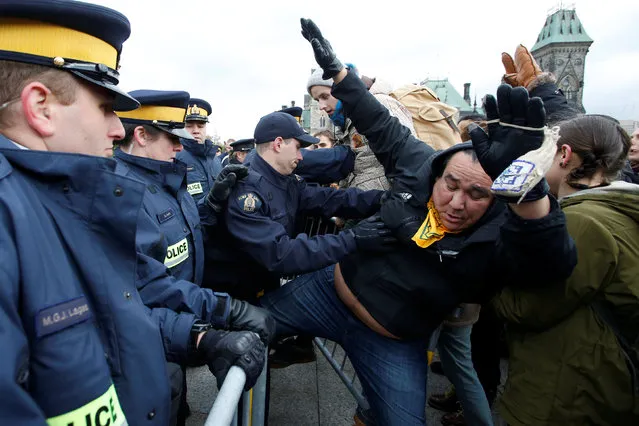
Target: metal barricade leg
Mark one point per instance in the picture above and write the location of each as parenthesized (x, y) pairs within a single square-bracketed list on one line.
[(339, 369), (259, 398)]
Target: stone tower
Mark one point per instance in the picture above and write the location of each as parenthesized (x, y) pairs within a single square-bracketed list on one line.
[(561, 49)]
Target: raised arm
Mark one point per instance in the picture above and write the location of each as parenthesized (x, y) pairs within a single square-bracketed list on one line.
[(400, 153)]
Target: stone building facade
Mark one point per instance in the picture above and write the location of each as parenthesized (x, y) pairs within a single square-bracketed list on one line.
[(561, 48)]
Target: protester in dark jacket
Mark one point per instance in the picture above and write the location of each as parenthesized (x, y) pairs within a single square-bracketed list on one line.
[(457, 244)]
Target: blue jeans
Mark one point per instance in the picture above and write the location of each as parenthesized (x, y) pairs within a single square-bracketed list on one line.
[(392, 372), (454, 352)]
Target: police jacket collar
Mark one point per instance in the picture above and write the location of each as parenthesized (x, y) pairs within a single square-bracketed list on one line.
[(72, 179), (168, 174), (259, 165), (196, 148), (56, 165)]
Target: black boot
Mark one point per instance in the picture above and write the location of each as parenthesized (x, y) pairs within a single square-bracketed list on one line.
[(292, 350), (446, 401)]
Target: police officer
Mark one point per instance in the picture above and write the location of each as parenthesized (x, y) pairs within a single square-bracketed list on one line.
[(169, 239), (199, 154), (261, 216), (78, 344), (241, 149)]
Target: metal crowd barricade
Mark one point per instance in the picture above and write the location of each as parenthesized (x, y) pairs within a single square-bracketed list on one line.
[(253, 404)]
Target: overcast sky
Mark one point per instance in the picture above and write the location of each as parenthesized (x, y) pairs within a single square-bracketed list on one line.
[(247, 58)]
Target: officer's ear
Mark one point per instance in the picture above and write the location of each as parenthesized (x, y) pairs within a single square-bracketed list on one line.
[(140, 135), (38, 105), (277, 144)]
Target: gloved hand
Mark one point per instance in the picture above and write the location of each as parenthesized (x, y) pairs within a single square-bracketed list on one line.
[(504, 143), (244, 316), (515, 127), (324, 55), (522, 70), (372, 235), (223, 349), (403, 216), (222, 186)]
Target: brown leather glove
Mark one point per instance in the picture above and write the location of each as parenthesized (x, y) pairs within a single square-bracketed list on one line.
[(521, 71)]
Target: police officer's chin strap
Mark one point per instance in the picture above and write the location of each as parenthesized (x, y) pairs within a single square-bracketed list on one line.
[(128, 151)]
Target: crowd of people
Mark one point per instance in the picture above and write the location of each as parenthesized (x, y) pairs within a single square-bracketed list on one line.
[(134, 247)]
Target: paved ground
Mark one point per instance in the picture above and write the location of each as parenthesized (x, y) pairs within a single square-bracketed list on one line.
[(302, 395)]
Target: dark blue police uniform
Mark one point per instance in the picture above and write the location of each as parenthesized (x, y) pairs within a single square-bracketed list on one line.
[(172, 234), (73, 323), (199, 157), (169, 238), (258, 245), (78, 345)]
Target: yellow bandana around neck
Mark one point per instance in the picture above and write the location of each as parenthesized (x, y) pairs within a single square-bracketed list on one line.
[(432, 229)]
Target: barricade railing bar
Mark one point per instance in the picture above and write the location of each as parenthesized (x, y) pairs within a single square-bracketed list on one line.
[(224, 411)]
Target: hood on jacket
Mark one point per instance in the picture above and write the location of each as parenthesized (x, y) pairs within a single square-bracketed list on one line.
[(621, 196), (380, 87), (436, 161)]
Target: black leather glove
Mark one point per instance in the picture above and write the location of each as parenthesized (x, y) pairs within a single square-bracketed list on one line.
[(324, 55), (372, 235), (244, 316), (403, 216), (504, 144), (223, 349), (222, 186)]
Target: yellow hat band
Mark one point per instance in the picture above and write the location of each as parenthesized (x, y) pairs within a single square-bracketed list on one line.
[(48, 40), (154, 112), (196, 110)]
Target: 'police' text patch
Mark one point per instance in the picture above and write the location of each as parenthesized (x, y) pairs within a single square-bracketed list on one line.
[(194, 188), (61, 316), (102, 411), (177, 253), (249, 202)]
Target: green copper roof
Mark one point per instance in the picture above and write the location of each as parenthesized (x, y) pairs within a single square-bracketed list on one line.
[(563, 26), (447, 94)]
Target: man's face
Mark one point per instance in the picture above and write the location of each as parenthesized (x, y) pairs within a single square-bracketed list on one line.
[(87, 126), (462, 194), (241, 156), (228, 143), (327, 102), (289, 155), (633, 155), (197, 129), (163, 148)]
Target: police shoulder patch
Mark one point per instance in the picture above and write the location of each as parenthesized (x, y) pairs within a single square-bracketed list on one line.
[(249, 202)]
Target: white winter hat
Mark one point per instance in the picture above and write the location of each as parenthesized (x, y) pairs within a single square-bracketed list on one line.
[(316, 80)]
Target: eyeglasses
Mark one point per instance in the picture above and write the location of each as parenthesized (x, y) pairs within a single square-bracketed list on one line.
[(6, 104)]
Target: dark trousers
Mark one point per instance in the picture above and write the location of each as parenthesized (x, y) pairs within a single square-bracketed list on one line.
[(486, 348), (176, 379)]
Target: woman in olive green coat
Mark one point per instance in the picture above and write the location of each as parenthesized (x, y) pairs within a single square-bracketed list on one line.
[(566, 366)]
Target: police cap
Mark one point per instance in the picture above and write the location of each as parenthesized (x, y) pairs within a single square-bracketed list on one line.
[(198, 110), (161, 109), (294, 111), (81, 38), (243, 145), (280, 124)]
